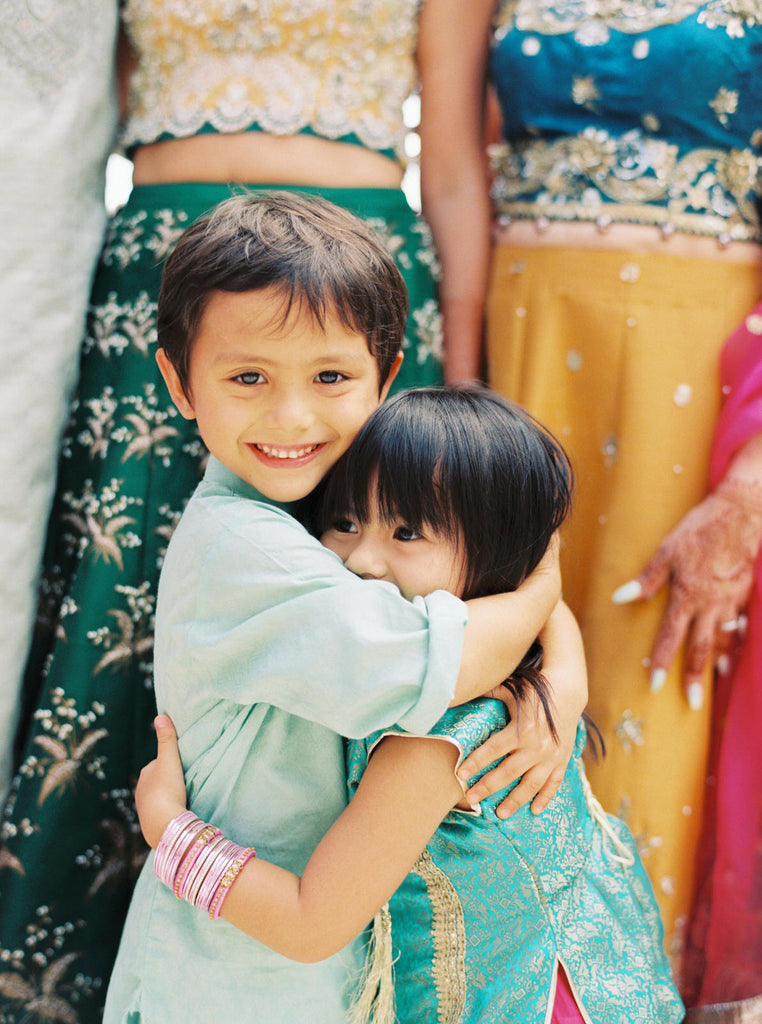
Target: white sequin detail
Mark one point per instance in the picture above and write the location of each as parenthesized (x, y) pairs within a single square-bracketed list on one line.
[(668, 886), (683, 394), (610, 450), (754, 323), (530, 46), (630, 272), (641, 49), (574, 360)]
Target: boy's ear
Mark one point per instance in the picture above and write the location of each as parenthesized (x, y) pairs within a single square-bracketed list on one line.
[(175, 388), (392, 374)]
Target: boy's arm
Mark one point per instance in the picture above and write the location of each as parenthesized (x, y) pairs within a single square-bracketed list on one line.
[(526, 746), (286, 624), (501, 628), (408, 787)]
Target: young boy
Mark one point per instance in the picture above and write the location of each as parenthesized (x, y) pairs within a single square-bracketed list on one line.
[(280, 324)]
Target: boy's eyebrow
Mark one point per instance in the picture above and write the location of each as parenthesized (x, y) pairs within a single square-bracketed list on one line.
[(321, 359), (235, 357)]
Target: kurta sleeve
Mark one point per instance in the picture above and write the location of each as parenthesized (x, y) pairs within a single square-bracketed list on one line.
[(466, 727), (277, 619)]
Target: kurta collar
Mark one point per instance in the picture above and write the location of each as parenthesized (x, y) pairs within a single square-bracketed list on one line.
[(219, 474)]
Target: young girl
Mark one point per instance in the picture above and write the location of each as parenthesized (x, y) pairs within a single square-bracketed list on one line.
[(527, 919)]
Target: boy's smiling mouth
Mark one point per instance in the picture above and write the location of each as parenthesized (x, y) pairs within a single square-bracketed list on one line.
[(288, 452)]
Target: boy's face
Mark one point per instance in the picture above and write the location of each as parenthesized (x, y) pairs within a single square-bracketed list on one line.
[(276, 403)]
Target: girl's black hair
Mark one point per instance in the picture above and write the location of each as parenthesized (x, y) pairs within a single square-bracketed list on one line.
[(467, 464)]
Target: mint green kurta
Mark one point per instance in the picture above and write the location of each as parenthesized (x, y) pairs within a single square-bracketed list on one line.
[(267, 651)]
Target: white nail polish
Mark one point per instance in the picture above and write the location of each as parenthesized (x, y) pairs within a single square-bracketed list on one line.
[(695, 696), (658, 679), (723, 664), (627, 592)]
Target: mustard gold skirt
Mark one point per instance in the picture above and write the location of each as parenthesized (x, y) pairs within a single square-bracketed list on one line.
[(616, 353)]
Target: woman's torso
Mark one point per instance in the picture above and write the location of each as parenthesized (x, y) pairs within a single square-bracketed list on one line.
[(491, 906), (248, 90), (633, 125)]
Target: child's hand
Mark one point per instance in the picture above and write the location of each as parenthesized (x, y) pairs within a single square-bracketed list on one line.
[(528, 752), (160, 794)]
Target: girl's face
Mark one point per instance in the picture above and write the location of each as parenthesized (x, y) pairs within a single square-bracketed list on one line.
[(416, 562)]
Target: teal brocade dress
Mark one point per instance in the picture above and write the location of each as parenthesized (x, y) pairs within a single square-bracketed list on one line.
[(70, 844), (491, 907)]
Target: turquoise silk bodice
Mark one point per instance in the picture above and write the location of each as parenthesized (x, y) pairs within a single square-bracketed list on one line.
[(642, 111), (492, 907)]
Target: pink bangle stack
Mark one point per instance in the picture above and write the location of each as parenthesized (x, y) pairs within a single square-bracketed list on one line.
[(197, 863)]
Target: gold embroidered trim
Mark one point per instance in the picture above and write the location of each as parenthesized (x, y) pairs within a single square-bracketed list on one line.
[(633, 179), (555, 17), (449, 940)]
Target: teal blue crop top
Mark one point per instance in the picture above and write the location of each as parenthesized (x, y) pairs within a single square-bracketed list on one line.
[(641, 111)]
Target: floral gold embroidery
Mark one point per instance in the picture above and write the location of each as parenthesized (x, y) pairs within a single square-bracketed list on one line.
[(584, 91), (724, 104), (633, 178), (591, 20), (449, 940)]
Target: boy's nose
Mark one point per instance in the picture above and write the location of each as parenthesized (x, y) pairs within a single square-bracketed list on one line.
[(291, 412)]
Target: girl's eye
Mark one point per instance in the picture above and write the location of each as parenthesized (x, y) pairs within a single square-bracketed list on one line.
[(250, 377), (344, 525), (406, 533), (330, 377)]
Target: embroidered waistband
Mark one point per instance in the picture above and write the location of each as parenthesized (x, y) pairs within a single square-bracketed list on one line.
[(632, 178)]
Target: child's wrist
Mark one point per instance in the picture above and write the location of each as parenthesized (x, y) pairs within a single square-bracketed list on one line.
[(197, 863)]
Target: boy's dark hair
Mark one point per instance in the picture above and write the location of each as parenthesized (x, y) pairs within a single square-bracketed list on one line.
[(312, 251), (468, 464)]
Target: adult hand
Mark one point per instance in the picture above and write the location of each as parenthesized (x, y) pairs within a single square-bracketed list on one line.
[(708, 563), (160, 794)]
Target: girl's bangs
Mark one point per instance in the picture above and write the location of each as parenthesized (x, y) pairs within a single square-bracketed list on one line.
[(396, 473)]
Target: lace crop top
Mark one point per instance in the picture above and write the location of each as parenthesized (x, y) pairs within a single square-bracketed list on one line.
[(337, 68), (643, 111)]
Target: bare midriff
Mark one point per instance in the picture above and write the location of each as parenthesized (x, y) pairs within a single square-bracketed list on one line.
[(260, 158), (626, 237)]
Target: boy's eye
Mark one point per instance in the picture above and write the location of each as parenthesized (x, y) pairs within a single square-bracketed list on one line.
[(330, 377), (405, 533), (250, 377), (344, 525)]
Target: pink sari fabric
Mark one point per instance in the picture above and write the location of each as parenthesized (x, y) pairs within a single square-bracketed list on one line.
[(565, 1009), (725, 942)]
